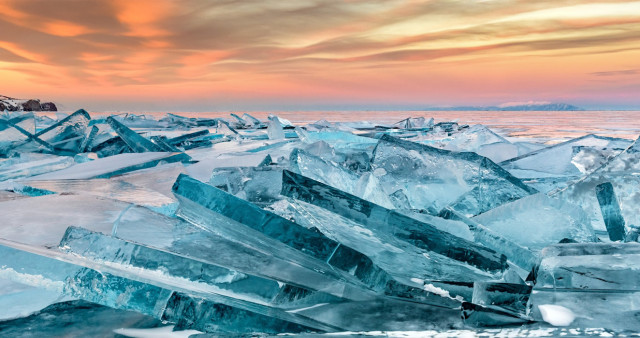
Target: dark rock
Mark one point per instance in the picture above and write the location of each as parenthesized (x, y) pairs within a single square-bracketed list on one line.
[(48, 106), (31, 105), (2, 106)]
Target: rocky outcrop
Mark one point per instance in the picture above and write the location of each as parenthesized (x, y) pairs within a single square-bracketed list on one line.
[(31, 105), (11, 104), (48, 106)]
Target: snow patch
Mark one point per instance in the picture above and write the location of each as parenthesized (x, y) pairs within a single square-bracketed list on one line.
[(556, 315)]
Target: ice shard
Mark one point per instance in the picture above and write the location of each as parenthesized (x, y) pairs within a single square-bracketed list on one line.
[(274, 129), (254, 121), (68, 133), (32, 164), (218, 279), (88, 140), (406, 228), (161, 141), (313, 243), (260, 185), (365, 186), (54, 272), (114, 189), (77, 318), (116, 287), (588, 280), (610, 211), (469, 183), (178, 140), (114, 165), (537, 221), (136, 142), (516, 253), (407, 263), (560, 159), (504, 296)]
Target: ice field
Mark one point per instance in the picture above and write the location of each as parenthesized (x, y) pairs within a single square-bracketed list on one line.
[(136, 225)]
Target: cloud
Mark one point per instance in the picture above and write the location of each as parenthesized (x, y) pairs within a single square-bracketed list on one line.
[(617, 72), (112, 45)]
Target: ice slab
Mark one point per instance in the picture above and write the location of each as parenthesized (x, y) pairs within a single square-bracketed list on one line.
[(245, 251), (274, 129), (469, 183), (567, 158), (365, 186), (622, 172), (310, 242), (113, 166), (610, 210), (201, 275), (403, 227), (113, 189), (31, 164), (68, 133), (136, 142), (537, 221), (260, 185), (589, 280), (407, 263), (516, 253), (76, 319), (140, 291)]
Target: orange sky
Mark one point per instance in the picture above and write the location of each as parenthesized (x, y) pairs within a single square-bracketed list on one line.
[(243, 54)]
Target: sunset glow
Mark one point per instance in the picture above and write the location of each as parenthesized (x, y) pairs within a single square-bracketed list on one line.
[(323, 54)]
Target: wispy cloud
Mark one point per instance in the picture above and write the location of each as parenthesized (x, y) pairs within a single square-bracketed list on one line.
[(318, 48), (617, 72)]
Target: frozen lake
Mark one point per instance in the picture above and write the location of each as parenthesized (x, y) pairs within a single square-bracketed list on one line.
[(548, 126)]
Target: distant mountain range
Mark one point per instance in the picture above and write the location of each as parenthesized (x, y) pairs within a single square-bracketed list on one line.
[(512, 107), (12, 104)]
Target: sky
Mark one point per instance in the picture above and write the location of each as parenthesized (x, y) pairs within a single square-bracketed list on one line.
[(226, 55)]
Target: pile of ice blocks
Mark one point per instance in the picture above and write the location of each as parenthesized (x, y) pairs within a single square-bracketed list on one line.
[(243, 226)]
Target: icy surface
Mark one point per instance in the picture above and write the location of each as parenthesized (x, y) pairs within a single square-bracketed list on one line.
[(143, 226)]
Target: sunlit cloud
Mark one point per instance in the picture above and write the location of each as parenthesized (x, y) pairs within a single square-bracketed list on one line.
[(310, 52)]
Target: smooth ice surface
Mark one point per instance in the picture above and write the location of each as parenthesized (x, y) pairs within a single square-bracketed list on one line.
[(433, 178), (113, 165), (610, 210), (538, 220)]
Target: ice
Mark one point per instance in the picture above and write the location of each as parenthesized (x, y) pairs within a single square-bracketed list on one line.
[(503, 296), (537, 221), (365, 186), (403, 227), (589, 279), (77, 319), (68, 133), (311, 242), (274, 129), (218, 279), (136, 142), (113, 165), (113, 189), (610, 211), (555, 166), (469, 183), (32, 164), (399, 258), (225, 226)]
